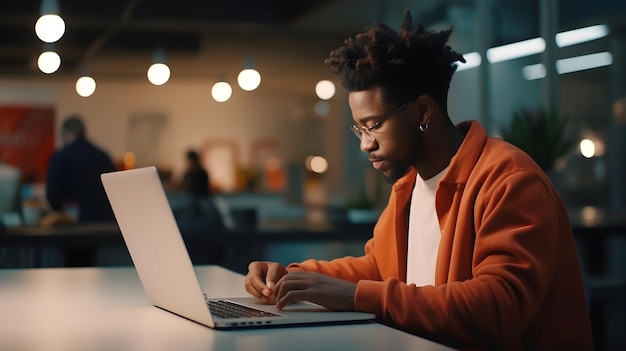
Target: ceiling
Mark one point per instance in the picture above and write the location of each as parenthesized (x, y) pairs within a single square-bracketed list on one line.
[(94, 28), (135, 25)]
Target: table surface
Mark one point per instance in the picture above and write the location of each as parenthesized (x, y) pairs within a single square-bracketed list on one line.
[(107, 309)]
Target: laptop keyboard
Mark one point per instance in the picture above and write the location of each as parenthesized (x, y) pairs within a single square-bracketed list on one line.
[(228, 309)]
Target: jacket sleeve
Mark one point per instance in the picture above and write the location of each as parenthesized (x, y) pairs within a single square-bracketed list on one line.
[(348, 268)]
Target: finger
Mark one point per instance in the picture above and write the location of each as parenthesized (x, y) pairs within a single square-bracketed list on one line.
[(291, 288), (275, 272), (255, 280), (255, 286), (291, 296)]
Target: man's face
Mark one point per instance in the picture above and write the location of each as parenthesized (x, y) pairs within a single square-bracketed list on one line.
[(397, 139)]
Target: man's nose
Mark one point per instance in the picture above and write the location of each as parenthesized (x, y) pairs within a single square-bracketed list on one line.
[(367, 144)]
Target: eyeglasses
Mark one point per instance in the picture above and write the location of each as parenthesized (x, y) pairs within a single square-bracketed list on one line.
[(358, 130)]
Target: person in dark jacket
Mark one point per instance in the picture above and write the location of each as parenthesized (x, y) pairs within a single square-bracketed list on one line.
[(73, 182), (196, 178)]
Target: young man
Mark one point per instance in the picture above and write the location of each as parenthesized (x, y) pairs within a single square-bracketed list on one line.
[(474, 248)]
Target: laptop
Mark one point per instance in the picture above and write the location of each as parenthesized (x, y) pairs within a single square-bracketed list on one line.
[(167, 275)]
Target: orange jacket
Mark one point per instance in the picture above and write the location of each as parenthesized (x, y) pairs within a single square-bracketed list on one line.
[(507, 273)]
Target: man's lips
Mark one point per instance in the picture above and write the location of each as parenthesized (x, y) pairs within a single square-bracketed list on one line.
[(377, 163)]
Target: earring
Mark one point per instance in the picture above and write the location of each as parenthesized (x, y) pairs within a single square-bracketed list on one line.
[(424, 127)]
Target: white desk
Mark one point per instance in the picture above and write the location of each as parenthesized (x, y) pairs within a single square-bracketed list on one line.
[(106, 309)]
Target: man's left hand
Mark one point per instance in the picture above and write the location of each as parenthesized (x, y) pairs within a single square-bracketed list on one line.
[(332, 293)]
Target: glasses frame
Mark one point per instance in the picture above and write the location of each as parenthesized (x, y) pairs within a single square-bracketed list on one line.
[(358, 130)]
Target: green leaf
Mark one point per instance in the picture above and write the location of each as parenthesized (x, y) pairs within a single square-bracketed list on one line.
[(542, 135)]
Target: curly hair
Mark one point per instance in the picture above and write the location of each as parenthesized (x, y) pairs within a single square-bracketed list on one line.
[(403, 64)]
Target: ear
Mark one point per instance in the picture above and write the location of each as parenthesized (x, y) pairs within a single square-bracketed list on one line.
[(426, 105)]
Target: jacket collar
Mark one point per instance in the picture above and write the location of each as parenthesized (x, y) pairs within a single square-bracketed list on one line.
[(462, 162)]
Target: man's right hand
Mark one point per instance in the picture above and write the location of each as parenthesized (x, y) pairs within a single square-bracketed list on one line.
[(261, 278)]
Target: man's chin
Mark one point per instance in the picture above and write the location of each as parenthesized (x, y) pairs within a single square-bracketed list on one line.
[(394, 174)]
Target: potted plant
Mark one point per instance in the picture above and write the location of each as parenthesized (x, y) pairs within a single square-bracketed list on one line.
[(361, 209), (541, 134)]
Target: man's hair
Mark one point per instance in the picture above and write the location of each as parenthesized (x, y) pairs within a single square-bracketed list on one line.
[(403, 64), (74, 124)]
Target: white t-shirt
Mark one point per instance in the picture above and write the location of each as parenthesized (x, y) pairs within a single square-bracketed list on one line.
[(424, 232)]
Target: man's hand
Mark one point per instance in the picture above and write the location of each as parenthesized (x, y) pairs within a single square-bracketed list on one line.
[(333, 293), (262, 278)]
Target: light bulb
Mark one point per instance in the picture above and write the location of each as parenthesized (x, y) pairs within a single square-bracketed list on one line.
[(50, 28), (249, 79), (85, 86), (221, 91), (325, 89), (158, 73), (49, 62)]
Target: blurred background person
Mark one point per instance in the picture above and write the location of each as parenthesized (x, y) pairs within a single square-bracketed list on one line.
[(73, 186), (195, 211), (196, 178)]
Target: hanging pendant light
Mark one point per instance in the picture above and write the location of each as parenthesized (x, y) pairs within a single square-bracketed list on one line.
[(249, 78), (50, 27), (221, 91), (49, 62), (159, 72), (85, 86), (325, 89)]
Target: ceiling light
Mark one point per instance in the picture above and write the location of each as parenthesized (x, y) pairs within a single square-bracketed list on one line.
[(159, 71), (249, 79), (533, 72), (85, 86), (49, 62), (580, 63), (221, 91), (50, 27), (581, 35), (472, 60), (325, 89), (516, 50), (570, 65)]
